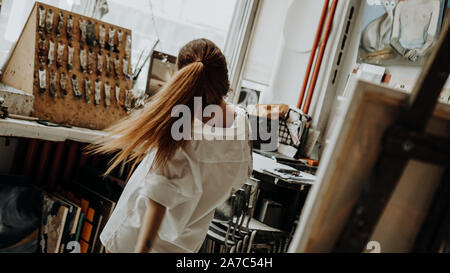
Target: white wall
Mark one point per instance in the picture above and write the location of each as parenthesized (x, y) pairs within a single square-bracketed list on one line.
[(279, 51), (266, 41), (281, 48)]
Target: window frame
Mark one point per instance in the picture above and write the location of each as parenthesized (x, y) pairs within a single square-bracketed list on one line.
[(241, 30), (237, 41)]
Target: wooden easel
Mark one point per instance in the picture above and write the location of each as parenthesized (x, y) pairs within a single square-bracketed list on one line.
[(21, 72), (383, 168)]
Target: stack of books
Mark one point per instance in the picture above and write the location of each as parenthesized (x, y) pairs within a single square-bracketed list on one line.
[(73, 220)]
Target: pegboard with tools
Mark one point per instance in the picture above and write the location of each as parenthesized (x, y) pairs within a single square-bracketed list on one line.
[(77, 68)]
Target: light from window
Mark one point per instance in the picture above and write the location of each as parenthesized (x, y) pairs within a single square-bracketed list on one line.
[(174, 22)]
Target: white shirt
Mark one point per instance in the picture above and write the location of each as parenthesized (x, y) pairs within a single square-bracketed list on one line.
[(199, 178)]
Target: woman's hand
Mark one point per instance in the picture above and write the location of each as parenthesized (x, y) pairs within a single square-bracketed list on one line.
[(151, 223)]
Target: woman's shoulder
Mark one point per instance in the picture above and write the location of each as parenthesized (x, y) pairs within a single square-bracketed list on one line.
[(223, 145)]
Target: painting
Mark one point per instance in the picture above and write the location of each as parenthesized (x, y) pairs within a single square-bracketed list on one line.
[(250, 93), (400, 32), (54, 215), (248, 97)]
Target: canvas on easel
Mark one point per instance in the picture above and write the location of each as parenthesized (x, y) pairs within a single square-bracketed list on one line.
[(349, 160)]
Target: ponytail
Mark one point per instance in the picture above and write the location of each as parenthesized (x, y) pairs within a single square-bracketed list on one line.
[(149, 129)]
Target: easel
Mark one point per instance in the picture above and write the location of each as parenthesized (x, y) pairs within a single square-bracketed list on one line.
[(382, 168), (405, 140)]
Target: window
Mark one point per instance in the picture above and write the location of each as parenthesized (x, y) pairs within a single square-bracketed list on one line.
[(174, 23)]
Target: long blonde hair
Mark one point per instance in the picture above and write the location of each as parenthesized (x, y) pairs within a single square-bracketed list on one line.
[(202, 73)]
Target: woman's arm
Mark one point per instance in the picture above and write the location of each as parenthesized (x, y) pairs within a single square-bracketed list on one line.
[(152, 221)]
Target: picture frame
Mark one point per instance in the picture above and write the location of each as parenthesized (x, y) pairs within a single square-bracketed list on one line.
[(400, 32), (161, 69), (250, 93)]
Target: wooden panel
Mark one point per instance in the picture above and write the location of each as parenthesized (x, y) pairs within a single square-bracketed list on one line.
[(19, 69), (349, 159)]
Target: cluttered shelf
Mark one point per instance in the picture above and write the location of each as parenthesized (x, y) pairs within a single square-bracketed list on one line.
[(83, 200), (38, 162), (63, 189), (264, 162)]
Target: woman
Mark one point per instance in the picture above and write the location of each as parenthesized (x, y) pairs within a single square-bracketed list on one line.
[(170, 199)]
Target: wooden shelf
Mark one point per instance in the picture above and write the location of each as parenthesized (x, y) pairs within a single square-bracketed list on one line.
[(30, 129)]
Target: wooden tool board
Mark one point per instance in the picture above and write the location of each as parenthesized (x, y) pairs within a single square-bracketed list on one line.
[(22, 72)]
